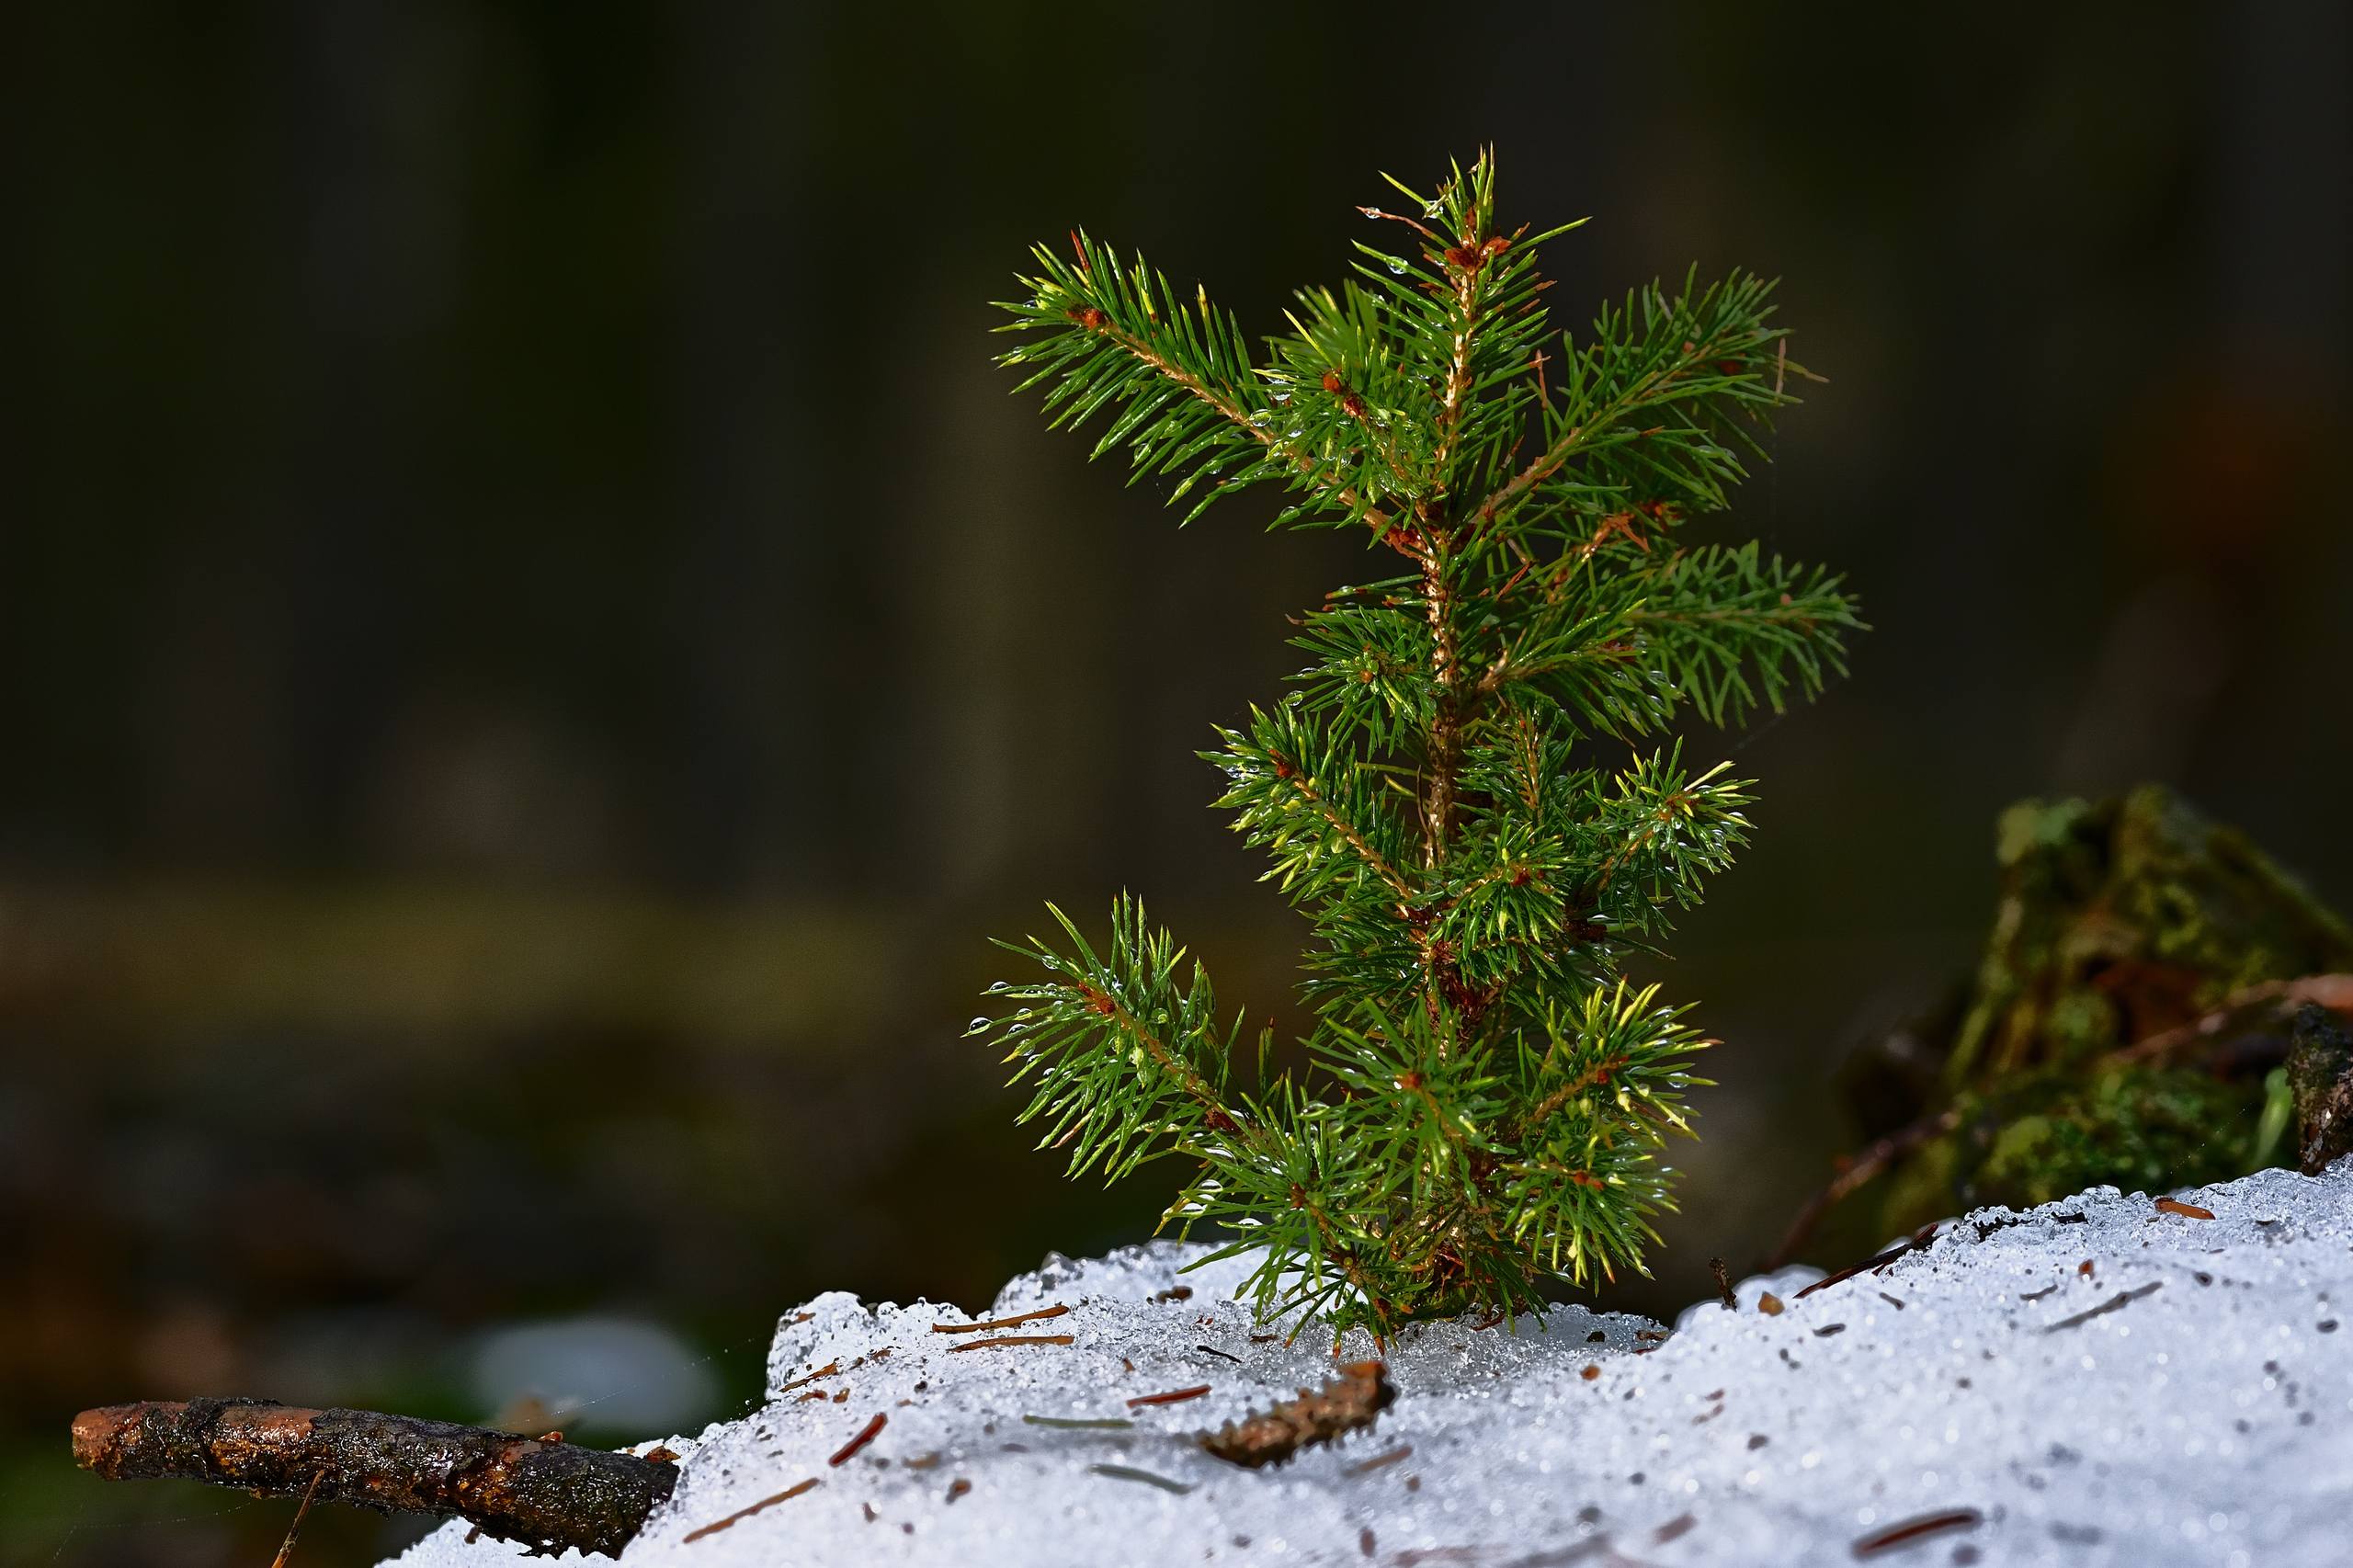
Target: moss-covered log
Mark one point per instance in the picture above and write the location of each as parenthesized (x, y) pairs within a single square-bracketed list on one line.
[(543, 1491), (2320, 1076), (2136, 993)]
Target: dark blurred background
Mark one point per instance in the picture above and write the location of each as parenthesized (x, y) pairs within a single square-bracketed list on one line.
[(534, 644)]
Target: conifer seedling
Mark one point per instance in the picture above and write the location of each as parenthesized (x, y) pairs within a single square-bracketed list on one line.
[(1471, 790)]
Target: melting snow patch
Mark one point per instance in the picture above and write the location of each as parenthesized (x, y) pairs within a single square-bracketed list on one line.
[(2096, 1381)]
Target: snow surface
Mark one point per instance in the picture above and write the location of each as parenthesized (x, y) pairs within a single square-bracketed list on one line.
[(2095, 1381)]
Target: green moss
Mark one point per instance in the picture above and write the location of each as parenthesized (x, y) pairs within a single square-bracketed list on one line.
[(2131, 1129), (2119, 921)]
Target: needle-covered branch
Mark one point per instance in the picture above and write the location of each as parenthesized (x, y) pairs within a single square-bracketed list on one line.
[(1656, 405), (1124, 1054), (1726, 630), (1484, 1100)]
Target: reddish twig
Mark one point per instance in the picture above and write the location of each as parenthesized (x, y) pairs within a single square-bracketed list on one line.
[(1875, 1263), (1053, 1312), (2333, 992), (1860, 1170), (740, 1514), (1380, 1460), (294, 1531), (1913, 1530), (830, 1368), (866, 1435)]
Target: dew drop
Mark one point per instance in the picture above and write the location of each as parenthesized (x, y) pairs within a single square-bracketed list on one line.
[(978, 1026)]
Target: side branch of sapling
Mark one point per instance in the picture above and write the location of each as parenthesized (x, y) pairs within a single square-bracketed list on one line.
[(1094, 319)]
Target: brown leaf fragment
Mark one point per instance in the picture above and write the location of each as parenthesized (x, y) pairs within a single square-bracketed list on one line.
[(1675, 1528), (1349, 1402), (1591, 1371), (1770, 1304), (2186, 1210), (1174, 1396), (957, 1488)]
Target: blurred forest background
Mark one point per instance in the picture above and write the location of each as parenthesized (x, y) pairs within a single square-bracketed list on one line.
[(534, 644)]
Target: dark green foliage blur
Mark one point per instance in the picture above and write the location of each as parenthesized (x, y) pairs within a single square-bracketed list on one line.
[(532, 636), (2120, 922)]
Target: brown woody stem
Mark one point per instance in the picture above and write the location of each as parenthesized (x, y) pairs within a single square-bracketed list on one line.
[(1864, 1167), (543, 1491), (1445, 729)]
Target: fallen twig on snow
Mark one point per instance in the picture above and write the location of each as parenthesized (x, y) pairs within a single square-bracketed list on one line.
[(543, 1491)]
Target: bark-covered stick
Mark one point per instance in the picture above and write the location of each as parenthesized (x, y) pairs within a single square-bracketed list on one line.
[(547, 1492)]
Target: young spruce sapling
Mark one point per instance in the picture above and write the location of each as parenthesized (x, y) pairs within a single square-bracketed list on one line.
[(1486, 1097)]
